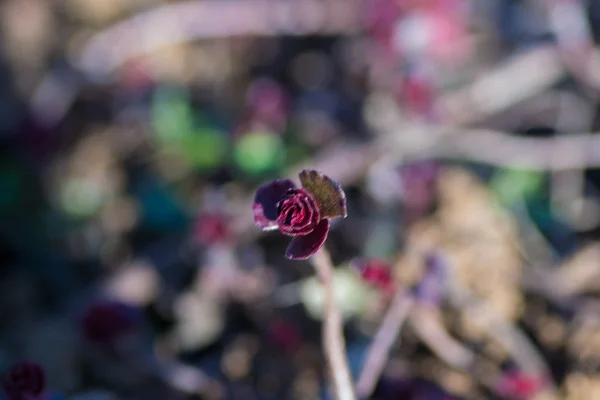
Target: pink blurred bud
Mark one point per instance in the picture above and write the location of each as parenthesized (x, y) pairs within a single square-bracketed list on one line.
[(268, 103), (519, 385), (212, 228)]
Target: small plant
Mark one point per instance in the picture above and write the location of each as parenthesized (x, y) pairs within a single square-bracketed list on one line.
[(300, 212)]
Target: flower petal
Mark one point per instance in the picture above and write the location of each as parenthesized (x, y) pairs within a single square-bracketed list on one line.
[(303, 247), (328, 193), (265, 202)]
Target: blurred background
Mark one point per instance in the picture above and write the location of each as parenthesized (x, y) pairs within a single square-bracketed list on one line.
[(134, 134)]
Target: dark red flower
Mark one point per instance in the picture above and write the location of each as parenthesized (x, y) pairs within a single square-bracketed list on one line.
[(297, 213), (376, 272), (300, 212), (105, 322), (519, 385), (25, 381)]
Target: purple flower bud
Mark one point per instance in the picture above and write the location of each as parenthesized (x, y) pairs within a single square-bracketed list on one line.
[(300, 212), (25, 381)]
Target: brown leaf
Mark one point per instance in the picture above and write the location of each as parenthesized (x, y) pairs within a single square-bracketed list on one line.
[(329, 194)]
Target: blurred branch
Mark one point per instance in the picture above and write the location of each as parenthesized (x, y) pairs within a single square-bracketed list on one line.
[(194, 20), (513, 81), (500, 149), (515, 342), (569, 23), (428, 326), (333, 330), (378, 352)]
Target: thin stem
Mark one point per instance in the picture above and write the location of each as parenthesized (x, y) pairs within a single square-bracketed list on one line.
[(333, 334), (378, 352)]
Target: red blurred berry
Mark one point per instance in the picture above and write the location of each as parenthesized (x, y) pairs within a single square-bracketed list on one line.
[(377, 273)]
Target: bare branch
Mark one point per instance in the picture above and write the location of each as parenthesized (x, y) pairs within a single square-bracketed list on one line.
[(333, 331), (194, 20), (428, 326), (378, 352)]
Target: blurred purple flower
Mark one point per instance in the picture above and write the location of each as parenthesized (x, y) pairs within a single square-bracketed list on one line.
[(25, 381), (418, 185), (432, 287), (212, 228), (104, 322), (376, 272), (300, 212), (268, 103)]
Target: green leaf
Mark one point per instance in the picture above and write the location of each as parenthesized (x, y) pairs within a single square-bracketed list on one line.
[(204, 149), (512, 185), (172, 116), (258, 152), (329, 194)]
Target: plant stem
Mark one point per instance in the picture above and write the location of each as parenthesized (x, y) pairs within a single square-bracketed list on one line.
[(333, 333), (379, 350)]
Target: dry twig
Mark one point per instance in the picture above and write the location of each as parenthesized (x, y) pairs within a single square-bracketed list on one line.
[(378, 352), (333, 331)]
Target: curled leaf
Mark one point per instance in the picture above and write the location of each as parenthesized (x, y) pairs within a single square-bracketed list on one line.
[(305, 246), (328, 193)]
